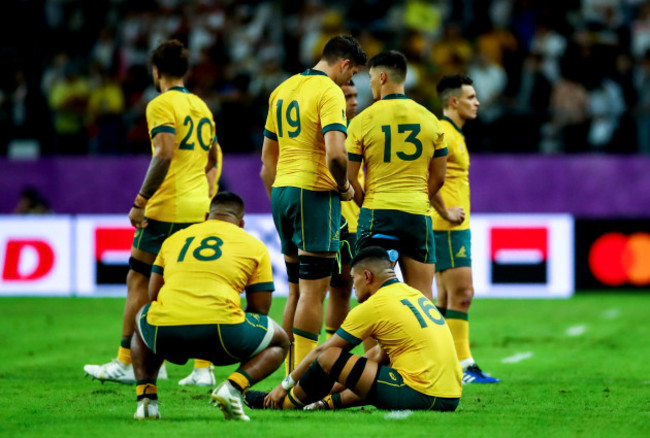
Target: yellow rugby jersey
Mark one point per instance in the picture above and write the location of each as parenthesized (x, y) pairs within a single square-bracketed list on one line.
[(301, 110), (350, 210), (409, 328), (455, 191), (183, 195), (396, 138), (206, 266)]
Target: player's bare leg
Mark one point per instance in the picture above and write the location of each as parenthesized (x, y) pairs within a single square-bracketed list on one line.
[(441, 300), (338, 304), (290, 309), (418, 275), (227, 396), (137, 286), (120, 369), (268, 360), (460, 291), (308, 319)]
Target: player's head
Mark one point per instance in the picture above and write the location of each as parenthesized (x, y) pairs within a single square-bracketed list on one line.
[(345, 54), (386, 67), (456, 92), (350, 93), (371, 267), (227, 206), (170, 59)]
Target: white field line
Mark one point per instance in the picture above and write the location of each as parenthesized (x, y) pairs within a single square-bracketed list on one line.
[(517, 357), (611, 313), (576, 330), (398, 415)]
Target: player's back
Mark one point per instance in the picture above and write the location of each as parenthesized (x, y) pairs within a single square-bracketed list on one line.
[(397, 138), (183, 195), (205, 267), (409, 328), (301, 110), (455, 191)]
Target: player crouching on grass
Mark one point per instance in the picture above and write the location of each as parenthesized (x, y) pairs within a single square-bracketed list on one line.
[(195, 309), (411, 334)]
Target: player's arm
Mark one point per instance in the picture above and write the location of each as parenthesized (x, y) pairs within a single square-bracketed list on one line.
[(164, 143), (453, 215), (275, 397), (270, 154), (337, 162), (156, 282), (437, 166), (212, 168), (258, 302), (353, 177), (260, 286), (157, 279)]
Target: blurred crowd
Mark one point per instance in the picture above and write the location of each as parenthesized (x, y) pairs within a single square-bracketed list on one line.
[(552, 77)]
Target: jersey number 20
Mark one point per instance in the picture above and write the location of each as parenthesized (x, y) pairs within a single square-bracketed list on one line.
[(189, 145)]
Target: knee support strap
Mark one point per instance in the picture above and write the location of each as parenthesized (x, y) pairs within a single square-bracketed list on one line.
[(315, 268), (292, 271), (316, 382), (355, 373), (140, 267)]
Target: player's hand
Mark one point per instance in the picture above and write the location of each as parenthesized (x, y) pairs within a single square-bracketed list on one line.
[(136, 216), (456, 215), (347, 194), (274, 399)]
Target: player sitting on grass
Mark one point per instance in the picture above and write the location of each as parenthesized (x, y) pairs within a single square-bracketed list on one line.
[(412, 336), (195, 309)]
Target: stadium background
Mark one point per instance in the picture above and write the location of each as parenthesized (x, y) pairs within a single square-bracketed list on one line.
[(564, 125)]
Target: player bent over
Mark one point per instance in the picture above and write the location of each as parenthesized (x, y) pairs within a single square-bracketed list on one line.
[(195, 309), (412, 336)]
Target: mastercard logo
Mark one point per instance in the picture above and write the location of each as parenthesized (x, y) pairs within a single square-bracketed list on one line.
[(616, 259)]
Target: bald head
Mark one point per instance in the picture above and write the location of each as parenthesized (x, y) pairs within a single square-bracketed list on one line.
[(227, 206)]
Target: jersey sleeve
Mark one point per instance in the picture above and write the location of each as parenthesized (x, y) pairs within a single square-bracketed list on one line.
[(270, 128), (439, 143), (262, 278), (160, 117), (354, 142), (332, 110), (358, 325)]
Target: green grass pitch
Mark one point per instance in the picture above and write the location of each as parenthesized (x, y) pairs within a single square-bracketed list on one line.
[(569, 368)]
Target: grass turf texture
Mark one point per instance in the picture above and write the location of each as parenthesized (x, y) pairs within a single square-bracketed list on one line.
[(587, 375)]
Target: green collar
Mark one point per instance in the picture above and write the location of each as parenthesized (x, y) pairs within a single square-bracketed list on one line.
[(312, 72), (181, 89), (452, 124), (389, 282), (394, 96)]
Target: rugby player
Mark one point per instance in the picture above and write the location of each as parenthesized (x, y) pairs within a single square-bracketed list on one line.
[(304, 170), (413, 367), (402, 146), (451, 222), (195, 309), (176, 189)]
